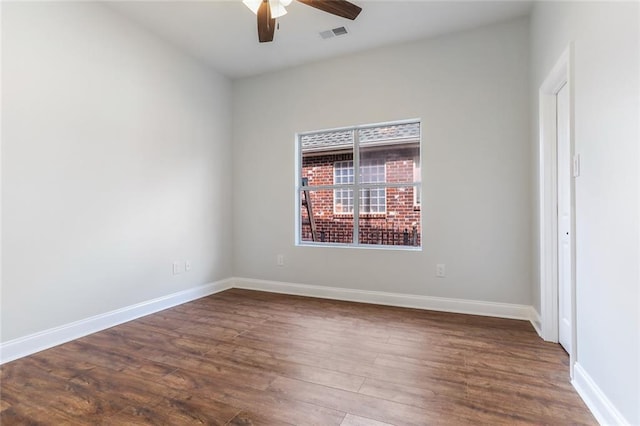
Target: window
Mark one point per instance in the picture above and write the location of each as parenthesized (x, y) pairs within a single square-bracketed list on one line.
[(372, 200), (378, 205)]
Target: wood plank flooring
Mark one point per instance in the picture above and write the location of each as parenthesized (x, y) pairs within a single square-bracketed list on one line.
[(250, 358)]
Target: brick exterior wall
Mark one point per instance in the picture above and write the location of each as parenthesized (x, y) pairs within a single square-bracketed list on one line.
[(399, 225)]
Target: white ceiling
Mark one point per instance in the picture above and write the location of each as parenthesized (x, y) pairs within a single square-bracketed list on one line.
[(224, 34)]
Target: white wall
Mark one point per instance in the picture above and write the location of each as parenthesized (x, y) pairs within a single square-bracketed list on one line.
[(606, 77), (471, 92), (115, 162)]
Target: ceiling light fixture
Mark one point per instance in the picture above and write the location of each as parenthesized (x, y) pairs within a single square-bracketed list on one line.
[(267, 11), (277, 6)]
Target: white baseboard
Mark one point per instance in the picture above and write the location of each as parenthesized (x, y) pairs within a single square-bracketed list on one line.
[(536, 320), (27, 345), (601, 408), (472, 307)]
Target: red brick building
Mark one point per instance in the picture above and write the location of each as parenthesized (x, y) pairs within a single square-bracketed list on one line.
[(389, 211)]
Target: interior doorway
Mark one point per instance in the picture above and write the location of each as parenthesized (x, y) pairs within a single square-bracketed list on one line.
[(557, 208)]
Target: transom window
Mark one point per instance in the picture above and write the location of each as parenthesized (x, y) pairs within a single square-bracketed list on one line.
[(379, 205)]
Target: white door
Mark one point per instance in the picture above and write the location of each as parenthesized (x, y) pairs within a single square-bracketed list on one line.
[(564, 219)]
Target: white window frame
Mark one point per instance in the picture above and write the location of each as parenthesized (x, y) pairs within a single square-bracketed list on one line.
[(417, 177), (357, 185)]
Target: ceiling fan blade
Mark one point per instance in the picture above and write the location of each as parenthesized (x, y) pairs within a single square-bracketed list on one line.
[(335, 7), (266, 24)]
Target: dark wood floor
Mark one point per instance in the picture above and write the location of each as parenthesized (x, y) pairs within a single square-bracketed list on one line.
[(246, 358)]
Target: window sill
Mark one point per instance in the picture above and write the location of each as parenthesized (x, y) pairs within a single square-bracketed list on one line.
[(359, 246)]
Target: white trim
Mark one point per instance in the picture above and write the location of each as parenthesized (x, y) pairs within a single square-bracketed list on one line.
[(535, 320), (601, 407), (364, 126), (417, 190), (548, 197), (548, 220), (560, 75), (27, 345), (462, 306)]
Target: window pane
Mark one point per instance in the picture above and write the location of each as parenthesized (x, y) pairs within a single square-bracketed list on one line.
[(343, 201), (388, 163), (400, 226), (372, 200), (329, 227), (387, 152), (389, 132), (319, 153), (372, 170)]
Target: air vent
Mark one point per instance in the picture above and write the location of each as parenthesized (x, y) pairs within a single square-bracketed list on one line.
[(334, 32), (339, 31)]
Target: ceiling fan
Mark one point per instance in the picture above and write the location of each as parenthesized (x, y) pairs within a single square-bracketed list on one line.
[(268, 10)]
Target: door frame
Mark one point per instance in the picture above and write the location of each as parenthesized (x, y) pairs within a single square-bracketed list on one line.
[(560, 74)]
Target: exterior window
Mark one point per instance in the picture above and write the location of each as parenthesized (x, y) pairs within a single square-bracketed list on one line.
[(360, 186), (372, 200)]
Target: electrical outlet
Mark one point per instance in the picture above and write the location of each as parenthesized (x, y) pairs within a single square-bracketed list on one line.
[(440, 270), (177, 268), (187, 265), (280, 260)]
